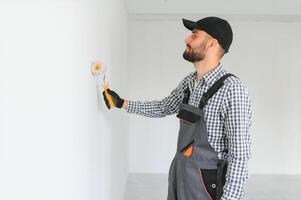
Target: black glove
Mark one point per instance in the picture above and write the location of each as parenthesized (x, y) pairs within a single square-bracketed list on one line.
[(118, 102)]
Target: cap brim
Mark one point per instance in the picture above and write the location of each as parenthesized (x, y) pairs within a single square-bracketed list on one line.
[(189, 24)]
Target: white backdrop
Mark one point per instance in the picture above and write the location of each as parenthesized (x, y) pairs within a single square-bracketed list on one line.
[(57, 139), (265, 54)]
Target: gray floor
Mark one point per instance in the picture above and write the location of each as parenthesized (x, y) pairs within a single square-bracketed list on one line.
[(260, 187)]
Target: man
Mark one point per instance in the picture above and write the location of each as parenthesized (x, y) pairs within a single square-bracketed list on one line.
[(213, 106)]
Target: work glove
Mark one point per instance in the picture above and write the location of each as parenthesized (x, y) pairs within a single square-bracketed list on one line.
[(118, 102)]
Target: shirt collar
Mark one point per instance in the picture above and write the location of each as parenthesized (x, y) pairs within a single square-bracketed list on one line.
[(211, 76)]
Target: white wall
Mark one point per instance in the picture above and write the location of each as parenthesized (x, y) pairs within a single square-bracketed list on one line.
[(230, 7), (264, 54), (57, 139)]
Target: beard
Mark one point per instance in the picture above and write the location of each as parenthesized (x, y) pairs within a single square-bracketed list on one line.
[(195, 55)]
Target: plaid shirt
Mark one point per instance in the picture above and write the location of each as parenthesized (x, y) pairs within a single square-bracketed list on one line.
[(228, 120)]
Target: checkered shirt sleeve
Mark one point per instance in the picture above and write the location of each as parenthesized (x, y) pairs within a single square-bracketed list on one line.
[(160, 108)]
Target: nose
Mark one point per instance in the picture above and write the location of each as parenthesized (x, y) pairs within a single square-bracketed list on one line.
[(187, 39)]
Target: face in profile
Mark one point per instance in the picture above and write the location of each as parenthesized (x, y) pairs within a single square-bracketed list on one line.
[(196, 46)]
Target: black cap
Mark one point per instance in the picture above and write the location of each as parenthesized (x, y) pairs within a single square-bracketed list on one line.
[(218, 28)]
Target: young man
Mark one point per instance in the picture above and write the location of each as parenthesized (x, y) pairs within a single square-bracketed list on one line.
[(214, 111)]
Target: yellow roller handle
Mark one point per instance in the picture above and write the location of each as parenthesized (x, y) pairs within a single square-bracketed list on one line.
[(108, 96)]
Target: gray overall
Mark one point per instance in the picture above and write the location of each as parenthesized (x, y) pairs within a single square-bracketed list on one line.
[(196, 172)]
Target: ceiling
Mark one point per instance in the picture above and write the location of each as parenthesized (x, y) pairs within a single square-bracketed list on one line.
[(226, 7)]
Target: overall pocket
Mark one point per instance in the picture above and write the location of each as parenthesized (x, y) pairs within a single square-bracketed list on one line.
[(188, 149), (209, 182), (186, 135)]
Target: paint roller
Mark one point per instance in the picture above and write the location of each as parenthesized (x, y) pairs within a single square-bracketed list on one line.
[(99, 70)]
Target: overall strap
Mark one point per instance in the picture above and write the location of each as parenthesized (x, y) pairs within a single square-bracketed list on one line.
[(212, 90), (186, 95)]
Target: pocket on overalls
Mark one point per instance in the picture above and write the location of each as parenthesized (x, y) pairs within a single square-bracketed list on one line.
[(188, 117), (188, 149), (188, 124), (209, 182)]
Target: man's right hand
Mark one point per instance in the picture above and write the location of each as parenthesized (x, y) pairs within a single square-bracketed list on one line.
[(118, 102)]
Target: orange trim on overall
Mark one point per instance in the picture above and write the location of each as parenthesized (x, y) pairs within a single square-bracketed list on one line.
[(188, 151)]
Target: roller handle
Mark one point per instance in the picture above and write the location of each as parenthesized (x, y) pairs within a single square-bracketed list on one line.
[(108, 96)]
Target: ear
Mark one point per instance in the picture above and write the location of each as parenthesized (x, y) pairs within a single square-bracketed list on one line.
[(214, 42), (210, 43)]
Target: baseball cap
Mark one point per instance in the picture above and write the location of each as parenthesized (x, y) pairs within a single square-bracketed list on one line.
[(218, 28)]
